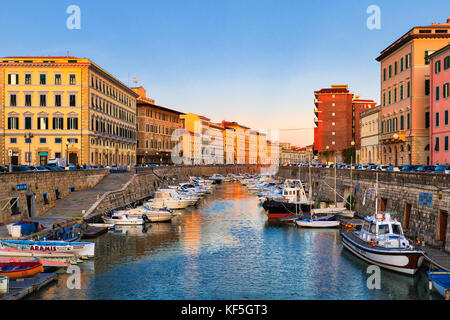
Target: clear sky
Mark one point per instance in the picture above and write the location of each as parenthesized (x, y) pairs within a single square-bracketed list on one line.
[(252, 61)]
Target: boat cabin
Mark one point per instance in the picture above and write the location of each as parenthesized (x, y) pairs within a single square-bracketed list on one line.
[(384, 231)]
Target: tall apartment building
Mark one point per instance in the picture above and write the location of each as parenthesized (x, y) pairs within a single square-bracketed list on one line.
[(405, 94), (440, 106), (155, 125), (65, 107)]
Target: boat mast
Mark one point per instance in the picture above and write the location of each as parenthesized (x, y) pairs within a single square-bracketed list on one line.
[(310, 185), (376, 196), (351, 181), (335, 170)]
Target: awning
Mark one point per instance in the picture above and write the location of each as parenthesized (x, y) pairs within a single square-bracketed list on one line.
[(43, 153)]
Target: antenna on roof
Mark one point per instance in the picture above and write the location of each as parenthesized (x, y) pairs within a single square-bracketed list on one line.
[(67, 52), (135, 80)]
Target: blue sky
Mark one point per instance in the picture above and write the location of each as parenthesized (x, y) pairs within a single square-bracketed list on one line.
[(252, 61)]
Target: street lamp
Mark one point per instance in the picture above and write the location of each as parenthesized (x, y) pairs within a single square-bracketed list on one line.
[(67, 153), (395, 136), (146, 155), (29, 136)]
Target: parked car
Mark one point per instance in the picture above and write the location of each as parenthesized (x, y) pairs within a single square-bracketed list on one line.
[(430, 169), (439, 169), (20, 168), (409, 168), (393, 168)]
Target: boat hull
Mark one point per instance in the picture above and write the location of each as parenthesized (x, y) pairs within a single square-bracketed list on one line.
[(440, 280), (79, 248), (399, 260), (273, 206), (20, 269), (317, 224)]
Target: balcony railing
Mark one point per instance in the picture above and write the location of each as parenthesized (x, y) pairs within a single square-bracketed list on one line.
[(392, 137), (316, 102)]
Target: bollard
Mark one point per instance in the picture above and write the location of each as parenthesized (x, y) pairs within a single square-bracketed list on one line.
[(430, 285), (447, 294)]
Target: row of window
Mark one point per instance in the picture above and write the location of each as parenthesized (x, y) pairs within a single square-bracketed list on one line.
[(161, 116), (111, 91), (391, 125), (405, 63), (153, 144), (111, 109), (436, 143), (397, 93), (445, 91), (107, 143), (102, 126), (42, 140), (14, 79), (42, 123), (106, 159), (43, 101), (437, 121), (158, 129), (437, 65)]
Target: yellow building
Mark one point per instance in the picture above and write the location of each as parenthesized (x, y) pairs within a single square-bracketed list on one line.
[(65, 107), (240, 145)]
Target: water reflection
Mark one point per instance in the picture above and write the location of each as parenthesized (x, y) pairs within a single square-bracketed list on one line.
[(225, 249)]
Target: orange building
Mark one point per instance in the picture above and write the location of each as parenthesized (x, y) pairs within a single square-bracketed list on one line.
[(405, 90)]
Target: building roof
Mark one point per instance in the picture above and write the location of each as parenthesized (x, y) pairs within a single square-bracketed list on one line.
[(440, 51), (412, 34), (141, 101), (231, 124), (334, 89)]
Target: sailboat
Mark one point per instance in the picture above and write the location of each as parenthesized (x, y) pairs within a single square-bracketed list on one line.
[(328, 221)]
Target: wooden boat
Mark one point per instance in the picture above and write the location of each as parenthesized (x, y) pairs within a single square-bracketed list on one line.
[(94, 232), (20, 269), (44, 255), (441, 282), (80, 248), (319, 222), (45, 263)]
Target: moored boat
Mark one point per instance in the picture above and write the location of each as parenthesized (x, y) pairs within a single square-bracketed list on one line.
[(441, 282), (381, 241), (80, 248), (20, 269), (120, 218), (45, 263)]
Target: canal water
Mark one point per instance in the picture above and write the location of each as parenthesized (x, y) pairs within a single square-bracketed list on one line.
[(225, 249)]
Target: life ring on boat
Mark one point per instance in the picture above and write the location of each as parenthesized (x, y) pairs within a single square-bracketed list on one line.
[(372, 242)]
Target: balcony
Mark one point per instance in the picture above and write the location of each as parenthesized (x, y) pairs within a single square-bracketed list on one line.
[(316, 111), (394, 137), (316, 102), (316, 121)]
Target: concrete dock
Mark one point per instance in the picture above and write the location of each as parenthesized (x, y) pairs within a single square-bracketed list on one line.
[(20, 288)]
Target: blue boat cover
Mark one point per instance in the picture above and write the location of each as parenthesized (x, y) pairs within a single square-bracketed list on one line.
[(442, 278)]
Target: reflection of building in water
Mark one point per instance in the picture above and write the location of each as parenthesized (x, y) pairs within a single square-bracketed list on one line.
[(192, 242)]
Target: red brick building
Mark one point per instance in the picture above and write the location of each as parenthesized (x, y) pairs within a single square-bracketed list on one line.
[(337, 117)]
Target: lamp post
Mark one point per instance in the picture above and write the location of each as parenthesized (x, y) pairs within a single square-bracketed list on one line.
[(67, 153), (146, 155), (353, 145), (327, 147), (29, 136)]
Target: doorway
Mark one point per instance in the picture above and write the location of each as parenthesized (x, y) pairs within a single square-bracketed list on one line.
[(43, 160), (15, 160), (407, 215), (31, 205), (73, 158), (442, 229), (383, 204)]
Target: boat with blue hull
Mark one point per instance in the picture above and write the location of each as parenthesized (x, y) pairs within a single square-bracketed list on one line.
[(84, 249), (441, 282)]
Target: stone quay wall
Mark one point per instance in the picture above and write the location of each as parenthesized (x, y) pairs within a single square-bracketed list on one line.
[(421, 201), (147, 180), (34, 193)]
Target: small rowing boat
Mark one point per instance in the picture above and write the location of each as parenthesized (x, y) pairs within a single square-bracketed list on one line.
[(45, 263), (441, 282), (20, 269)]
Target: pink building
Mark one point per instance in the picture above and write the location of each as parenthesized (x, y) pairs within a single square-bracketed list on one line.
[(440, 106)]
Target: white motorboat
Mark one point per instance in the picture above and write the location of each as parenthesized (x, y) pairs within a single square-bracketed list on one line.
[(122, 218), (79, 248), (150, 214), (381, 241), (170, 199), (310, 223)]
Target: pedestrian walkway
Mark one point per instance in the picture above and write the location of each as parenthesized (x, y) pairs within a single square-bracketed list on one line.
[(73, 205), (439, 258)]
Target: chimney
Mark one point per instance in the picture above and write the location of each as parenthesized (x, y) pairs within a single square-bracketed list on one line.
[(448, 20)]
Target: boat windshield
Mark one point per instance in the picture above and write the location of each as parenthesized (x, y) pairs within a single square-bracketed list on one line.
[(373, 228), (396, 229), (366, 226), (383, 229)]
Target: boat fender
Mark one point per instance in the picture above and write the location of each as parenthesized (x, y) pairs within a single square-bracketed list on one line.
[(145, 218)]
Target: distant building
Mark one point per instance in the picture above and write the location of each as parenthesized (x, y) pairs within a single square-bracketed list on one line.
[(369, 149), (405, 94), (240, 145), (440, 106), (337, 121), (155, 125), (65, 107)]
